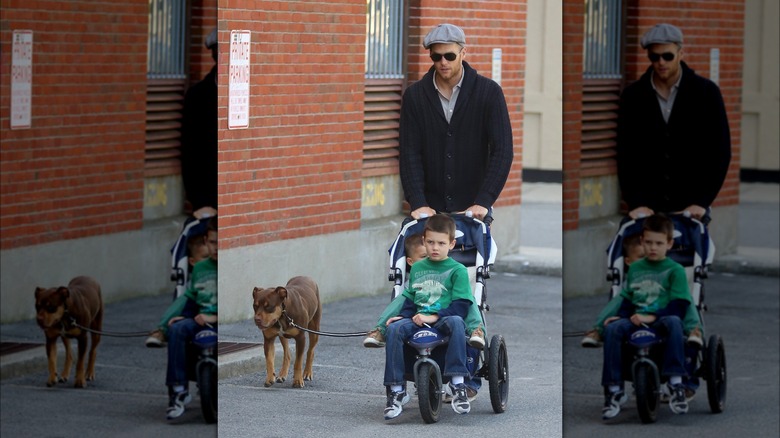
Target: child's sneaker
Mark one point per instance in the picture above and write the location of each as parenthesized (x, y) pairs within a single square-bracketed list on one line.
[(471, 393), (375, 339), (177, 404), (612, 404), (592, 339), (156, 339), (395, 403), (678, 402), (477, 339), (460, 398), (694, 338)]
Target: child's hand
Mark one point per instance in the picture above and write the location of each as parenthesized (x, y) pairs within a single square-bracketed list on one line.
[(174, 319), (638, 319), (421, 319), (203, 319), (610, 319), (393, 319)]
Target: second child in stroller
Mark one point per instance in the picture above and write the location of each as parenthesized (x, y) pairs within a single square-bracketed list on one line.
[(197, 250), (439, 295)]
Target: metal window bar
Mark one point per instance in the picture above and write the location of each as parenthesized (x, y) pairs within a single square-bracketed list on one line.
[(601, 51), (166, 49), (384, 39)]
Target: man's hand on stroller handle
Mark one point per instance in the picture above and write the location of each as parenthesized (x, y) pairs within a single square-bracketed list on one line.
[(691, 211), (475, 211), (423, 212)]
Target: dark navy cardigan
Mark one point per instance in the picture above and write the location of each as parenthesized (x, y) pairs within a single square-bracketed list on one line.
[(451, 166), (669, 166)]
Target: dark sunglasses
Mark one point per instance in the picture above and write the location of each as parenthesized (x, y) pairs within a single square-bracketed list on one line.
[(667, 56), (449, 56)]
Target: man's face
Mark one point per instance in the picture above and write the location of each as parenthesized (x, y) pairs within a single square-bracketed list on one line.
[(448, 69), (665, 69)]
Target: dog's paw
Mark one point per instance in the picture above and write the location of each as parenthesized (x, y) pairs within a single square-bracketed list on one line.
[(90, 377), (308, 377), (50, 382), (80, 384), (62, 379), (268, 382), (280, 379)]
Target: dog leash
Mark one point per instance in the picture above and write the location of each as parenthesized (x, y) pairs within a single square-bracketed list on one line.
[(317, 332), (102, 333)]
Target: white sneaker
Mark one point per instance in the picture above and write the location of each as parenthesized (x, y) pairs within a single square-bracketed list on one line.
[(177, 404), (395, 404)]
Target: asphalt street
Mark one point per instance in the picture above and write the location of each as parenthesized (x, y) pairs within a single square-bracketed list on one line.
[(346, 397), (743, 310), (128, 397)]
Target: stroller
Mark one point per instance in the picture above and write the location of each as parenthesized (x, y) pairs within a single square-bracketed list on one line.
[(474, 248), (180, 268), (694, 250)]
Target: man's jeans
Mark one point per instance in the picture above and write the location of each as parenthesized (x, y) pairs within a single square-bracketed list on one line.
[(179, 335), (616, 333), (455, 356)]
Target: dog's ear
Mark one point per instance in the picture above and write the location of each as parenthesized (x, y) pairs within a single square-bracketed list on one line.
[(282, 292), (62, 290), (38, 291), (255, 291)]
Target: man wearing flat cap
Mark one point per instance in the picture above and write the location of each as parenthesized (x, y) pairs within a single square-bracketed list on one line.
[(199, 140), (673, 140), (456, 145)]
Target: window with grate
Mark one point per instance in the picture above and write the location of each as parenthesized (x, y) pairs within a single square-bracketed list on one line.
[(602, 81), (385, 74), (166, 80)]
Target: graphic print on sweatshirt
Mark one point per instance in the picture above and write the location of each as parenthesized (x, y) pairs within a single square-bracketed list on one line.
[(430, 291)]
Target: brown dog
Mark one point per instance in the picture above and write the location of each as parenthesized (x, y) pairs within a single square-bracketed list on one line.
[(57, 309), (299, 300)]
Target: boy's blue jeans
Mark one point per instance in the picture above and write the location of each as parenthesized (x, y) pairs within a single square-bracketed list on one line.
[(180, 334), (399, 331), (618, 331)]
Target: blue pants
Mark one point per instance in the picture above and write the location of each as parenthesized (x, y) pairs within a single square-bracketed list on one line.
[(616, 333), (454, 359), (180, 334)]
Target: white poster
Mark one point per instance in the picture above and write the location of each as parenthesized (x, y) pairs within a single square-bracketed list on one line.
[(496, 73), (21, 79), (238, 83)]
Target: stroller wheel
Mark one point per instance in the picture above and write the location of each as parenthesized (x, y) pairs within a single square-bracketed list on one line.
[(498, 374), (715, 362)]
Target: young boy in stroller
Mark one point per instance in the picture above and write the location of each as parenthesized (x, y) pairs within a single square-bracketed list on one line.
[(655, 294), (439, 295)]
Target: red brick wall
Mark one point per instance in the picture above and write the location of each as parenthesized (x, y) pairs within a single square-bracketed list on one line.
[(78, 171), (203, 21), (296, 171), (572, 29), (488, 25), (705, 25)]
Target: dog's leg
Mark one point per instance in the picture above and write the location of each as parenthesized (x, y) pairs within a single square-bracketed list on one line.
[(51, 354), (95, 340), (268, 349), (300, 345), (285, 360), (307, 373), (82, 343), (68, 361)]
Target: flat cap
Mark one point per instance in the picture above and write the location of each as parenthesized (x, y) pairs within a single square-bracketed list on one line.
[(211, 39), (662, 33), (445, 34)]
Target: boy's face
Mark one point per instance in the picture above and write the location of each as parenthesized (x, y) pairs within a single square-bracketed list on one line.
[(417, 254), (211, 243), (201, 252), (437, 245), (656, 245), (634, 253)]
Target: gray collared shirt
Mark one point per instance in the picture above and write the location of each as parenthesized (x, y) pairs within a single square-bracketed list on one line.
[(448, 105), (666, 103)]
